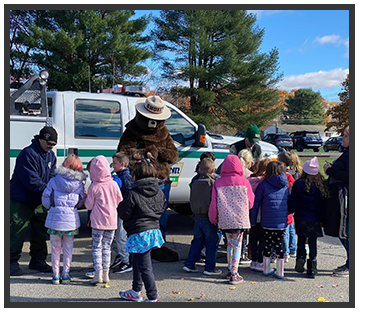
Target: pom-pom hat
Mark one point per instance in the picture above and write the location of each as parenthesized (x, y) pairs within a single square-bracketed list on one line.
[(153, 107), (311, 166)]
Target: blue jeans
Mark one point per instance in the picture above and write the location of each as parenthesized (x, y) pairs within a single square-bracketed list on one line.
[(205, 234), (289, 240), (163, 219), (346, 245)]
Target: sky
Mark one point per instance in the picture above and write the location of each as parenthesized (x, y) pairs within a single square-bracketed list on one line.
[(313, 47)]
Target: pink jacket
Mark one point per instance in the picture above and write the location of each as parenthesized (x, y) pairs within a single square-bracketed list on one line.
[(103, 196), (232, 197)]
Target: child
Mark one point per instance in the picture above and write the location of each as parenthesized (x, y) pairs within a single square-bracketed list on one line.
[(63, 195), (232, 197), (102, 199), (121, 263), (140, 211), (205, 233), (289, 241), (307, 201), (245, 157), (256, 232), (296, 165), (272, 196), (204, 155)]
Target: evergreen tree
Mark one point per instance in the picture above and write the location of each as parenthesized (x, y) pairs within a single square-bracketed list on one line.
[(72, 43), (217, 53)]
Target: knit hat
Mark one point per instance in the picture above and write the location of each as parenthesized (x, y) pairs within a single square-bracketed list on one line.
[(253, 134), (48, 133), (311, 166)]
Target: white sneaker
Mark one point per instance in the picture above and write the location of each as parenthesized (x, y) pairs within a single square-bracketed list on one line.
[(216, 272), (253, 265)]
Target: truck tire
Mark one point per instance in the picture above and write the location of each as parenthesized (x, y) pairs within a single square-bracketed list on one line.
[(299, 148)]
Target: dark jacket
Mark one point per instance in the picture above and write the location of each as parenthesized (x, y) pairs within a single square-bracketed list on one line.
[(126, 178), (307, 206), (201, 194), (33, 169), (336, 221), (239, 145), (272, 196), (142, 207)]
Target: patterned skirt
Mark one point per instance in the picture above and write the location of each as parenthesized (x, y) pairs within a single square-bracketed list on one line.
[(144, 241), (63, 233)]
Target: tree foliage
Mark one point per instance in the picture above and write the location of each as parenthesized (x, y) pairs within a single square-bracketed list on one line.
[(339, 115), (72, 43), (216, 52), (305, 107)]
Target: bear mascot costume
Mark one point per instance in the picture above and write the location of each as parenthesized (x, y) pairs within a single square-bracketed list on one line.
[(146, 136)]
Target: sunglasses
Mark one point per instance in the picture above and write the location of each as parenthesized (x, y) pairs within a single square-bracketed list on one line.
[(51, 144)]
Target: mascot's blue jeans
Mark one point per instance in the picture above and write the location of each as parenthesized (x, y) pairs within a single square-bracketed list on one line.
[(163, 219)]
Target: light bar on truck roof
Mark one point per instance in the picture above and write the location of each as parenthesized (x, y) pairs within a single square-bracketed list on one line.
[(137, 89)]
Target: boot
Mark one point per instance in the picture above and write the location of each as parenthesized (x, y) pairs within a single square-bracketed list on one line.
[(311, 268), (97, 278), (106, 276), (299, 265), (267, 270), (280, 268)]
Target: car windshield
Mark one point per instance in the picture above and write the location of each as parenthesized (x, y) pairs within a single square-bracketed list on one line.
[(283, 137)]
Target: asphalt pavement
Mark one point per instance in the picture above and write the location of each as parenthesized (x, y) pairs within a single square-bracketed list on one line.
[(175, 286)]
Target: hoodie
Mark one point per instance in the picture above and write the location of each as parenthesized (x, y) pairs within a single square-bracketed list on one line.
[(103, 196), (33, 169), (232, 197), (272, 196), (142, 207), (62, 196)]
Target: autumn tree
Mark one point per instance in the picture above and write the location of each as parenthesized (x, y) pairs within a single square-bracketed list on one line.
[(73, 44), (216, 52), (339, 115)]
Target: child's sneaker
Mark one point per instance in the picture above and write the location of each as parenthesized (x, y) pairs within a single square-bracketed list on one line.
[(66, 278), (90, 274), (131, 295), (253, 265), (151, 301), (244, 260), (235, 279), (190, 270), (228, 275), (56, 280), (215, 272), (259, 267)]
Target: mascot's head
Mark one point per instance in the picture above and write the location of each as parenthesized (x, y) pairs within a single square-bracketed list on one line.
[(151, 114)]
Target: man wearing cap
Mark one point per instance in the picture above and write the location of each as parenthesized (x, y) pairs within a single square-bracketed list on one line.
[(34, 167), (252, 136)]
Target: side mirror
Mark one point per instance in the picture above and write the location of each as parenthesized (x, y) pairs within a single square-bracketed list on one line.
[(200, 136)]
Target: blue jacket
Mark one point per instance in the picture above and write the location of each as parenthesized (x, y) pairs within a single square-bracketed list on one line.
[(272, 196), (306, 206), (126, 178), (62, 196), (33, 169)]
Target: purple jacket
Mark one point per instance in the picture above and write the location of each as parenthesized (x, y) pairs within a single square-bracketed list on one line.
[(62, 196)]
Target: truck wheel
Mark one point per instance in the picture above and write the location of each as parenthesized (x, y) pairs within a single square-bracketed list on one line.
[(316, 149), (325, 149), (299, 148)]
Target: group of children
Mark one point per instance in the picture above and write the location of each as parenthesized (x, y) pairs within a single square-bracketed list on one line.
[(258, 199), (123, 210)]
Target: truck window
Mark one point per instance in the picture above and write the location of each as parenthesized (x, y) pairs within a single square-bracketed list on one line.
[(97, 119), (180, 129)]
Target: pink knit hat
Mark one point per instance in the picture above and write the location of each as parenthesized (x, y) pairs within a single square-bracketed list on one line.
[(311, 166)]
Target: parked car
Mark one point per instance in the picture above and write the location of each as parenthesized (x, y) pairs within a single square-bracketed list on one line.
[(279, 140), (240, 134), (306, 140), (333, 143)]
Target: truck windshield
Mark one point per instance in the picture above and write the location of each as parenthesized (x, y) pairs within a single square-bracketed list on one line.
[(97, 118)]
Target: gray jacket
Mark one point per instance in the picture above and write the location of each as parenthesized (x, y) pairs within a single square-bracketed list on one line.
[(200, 195)]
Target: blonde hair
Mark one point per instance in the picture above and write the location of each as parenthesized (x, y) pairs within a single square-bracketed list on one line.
[(73, 162), (245, 157), (347, 130), (296, 163)]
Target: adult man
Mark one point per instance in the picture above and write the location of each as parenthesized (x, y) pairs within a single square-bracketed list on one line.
[(34, 167), (252, 136)]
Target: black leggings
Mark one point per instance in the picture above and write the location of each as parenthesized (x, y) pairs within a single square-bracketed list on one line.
[(273, 239), (312, 243), (143, 274)]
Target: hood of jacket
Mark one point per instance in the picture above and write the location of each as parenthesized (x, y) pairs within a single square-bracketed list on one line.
[(279, 181), (100, 169), (148, 187), (68, 180), (231, 166)]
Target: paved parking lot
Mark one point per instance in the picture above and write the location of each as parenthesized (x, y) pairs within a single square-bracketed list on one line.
[(176, 286)]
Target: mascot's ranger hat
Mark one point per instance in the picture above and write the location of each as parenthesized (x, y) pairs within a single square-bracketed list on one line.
[(153, 107)]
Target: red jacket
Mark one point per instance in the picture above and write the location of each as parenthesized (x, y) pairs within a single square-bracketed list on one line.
[(290, 185)]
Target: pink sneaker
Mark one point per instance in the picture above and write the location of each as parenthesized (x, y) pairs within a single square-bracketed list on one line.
[(131, 295)]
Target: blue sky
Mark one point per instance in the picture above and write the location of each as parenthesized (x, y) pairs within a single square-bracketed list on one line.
[(313, 47)]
